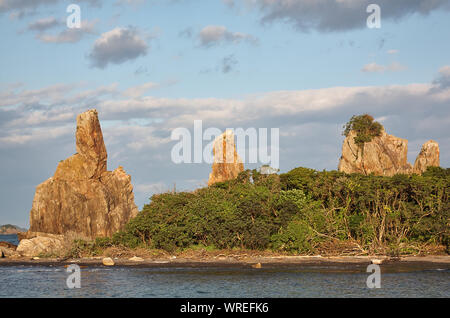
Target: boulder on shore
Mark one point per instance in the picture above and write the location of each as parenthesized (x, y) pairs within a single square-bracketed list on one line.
[(8, 245), (40, 245), (108, 261)]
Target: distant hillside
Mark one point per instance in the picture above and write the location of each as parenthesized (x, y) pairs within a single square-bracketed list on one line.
[(10, 229)]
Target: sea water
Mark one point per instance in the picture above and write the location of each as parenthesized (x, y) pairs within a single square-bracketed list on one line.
[(194, 282), (317, 281), (10, 239)]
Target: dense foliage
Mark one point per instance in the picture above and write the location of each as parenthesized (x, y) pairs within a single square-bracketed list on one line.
[(302, 211), (365, 128)]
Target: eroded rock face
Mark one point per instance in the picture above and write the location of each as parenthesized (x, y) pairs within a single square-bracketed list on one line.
[(41, 245), (8, 250), (227, 163), (385, 155), (90, 161), (428, 157), (83, 197)]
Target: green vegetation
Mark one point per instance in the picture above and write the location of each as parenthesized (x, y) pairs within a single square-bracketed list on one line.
[(302, 211), (365, 128)]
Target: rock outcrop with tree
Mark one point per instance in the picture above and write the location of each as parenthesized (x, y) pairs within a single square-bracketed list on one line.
[(368, 149)]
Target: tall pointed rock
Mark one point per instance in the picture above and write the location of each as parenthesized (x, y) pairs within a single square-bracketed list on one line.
[(227, 163), (83, 197), (428, 157)]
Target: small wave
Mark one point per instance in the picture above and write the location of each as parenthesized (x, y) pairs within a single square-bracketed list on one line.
[(38, 270)]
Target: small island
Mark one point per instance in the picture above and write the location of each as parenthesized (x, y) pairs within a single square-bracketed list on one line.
[(9, 229), (375, 206)]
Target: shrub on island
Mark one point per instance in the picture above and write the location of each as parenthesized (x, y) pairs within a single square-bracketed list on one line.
[(302, 211)]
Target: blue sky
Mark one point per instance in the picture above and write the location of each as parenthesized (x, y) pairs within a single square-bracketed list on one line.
[(304, 67)]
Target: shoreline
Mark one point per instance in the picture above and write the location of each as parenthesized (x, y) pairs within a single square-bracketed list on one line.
[(274, 262)]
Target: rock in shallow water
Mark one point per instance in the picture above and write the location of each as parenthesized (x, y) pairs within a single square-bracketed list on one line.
[(107, 261)]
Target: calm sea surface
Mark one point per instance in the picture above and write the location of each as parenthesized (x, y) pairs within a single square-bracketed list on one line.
[(317, 281), (9, 238)]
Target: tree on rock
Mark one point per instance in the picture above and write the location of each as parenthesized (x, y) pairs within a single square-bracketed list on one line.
[(365, 128)]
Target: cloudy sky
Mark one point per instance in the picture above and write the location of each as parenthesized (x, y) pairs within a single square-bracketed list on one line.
[(150, 66)]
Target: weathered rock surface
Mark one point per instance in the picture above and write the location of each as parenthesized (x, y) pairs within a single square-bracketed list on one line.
[(227, 163), (83, 197), (39, 245), (107, 261), (428, 157), (8, 250), (8, 245), (385, 155)]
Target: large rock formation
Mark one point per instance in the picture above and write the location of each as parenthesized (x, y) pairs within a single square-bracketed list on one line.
[(83, 197), (227, 163), (385, 155), (428, 157)]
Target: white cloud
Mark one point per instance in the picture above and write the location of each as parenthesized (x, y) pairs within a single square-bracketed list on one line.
[(27, 136), (20, 8), (339, 15), (138, 91), (445, 70), (69, 35), (151, 188), (373, 67), (43, 24), (130, 2), (117, 46), (136, 125), (212, 35), (376, 68)]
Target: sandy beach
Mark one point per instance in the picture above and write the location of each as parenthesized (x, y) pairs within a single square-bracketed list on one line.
[(267, 262)]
